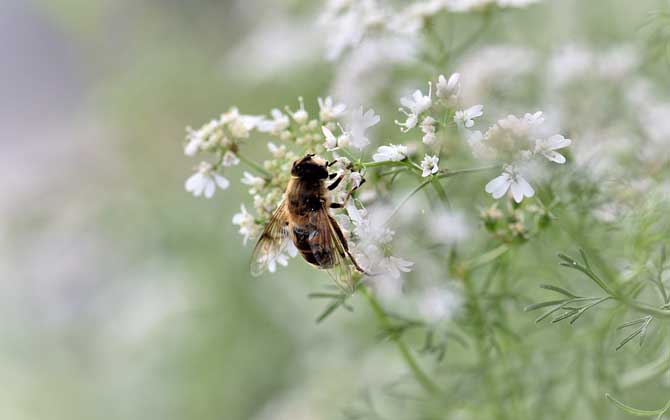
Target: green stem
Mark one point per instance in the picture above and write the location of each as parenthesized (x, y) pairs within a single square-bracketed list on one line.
[(392, 163), (447, 173), (407, 198), (252, 164), (440, 191), (385, 322), (455, 51), (645, 308), (485, 258)]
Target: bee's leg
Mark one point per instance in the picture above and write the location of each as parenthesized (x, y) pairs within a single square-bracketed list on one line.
[(333, 175), (346, 200), (329, 164), (335, 183)]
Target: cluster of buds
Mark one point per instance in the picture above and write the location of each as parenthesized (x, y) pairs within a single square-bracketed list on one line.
[(515, 223)]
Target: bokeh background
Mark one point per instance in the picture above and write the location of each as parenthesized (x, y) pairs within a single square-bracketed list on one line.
[(121, 296)]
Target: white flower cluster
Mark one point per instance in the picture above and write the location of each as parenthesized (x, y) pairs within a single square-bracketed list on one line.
[(221, 138), (512, 140), (295, 133), (515, 141), (370, 243), (348, 22)]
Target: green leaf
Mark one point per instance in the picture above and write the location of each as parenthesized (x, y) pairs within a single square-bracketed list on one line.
[(546, 314), (586, 261), (329, 310), (627, 339), (567, 259), (565, 315), (635, 411), (535, 306), (324, 296), (558, 289), (633, 322)]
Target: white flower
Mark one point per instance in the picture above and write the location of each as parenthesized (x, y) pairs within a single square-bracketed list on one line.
[(618, 62), (359, 122), (205, 181), (230, 159), (278, 152), (473, 5), (418, 103), (468, 5), (347, 23), (239, 125), (429, 165), (512, 139), (568, 64), (196, 139), (413, 17), (516, 3), (255, 182), (396, 265), (534, 120), (277, 124), (300, 116), (246, 223), (410, 122), (547, 147), (450, 227), (391, 152), (437, 304), (428, 129), (480, 149), (328, 111), (466, 116), (510, 179), (331, 141), (449, 89), (355, 178), (274, 259)]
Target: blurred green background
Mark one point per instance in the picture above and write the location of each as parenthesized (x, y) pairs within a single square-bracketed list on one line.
[(122, 297)]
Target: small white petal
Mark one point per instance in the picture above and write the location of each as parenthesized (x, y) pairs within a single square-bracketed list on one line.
[(557, 142), (221, 181), (193, 182), (554, 156), (498, 186), (521, 188), (210, 187)]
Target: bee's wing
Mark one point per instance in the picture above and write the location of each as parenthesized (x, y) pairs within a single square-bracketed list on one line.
[(272, 242), (330, 250)]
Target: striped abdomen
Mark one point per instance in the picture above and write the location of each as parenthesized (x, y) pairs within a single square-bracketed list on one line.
[(307, 238)]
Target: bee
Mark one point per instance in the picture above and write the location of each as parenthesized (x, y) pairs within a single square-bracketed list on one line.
[(303, 218)]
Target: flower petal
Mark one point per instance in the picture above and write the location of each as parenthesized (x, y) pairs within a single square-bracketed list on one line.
[(210, 187), (557, 141), (554, 156), (521, 188), (498, 186), (221, 181), (193, 182)]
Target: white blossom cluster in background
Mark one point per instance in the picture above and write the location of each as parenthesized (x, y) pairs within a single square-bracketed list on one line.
[(347, 22)]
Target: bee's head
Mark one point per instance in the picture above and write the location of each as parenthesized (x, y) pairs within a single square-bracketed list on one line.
[(310, 168)]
